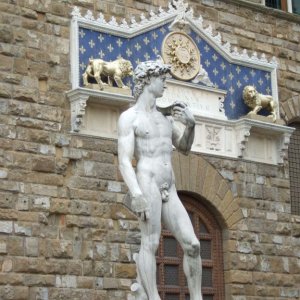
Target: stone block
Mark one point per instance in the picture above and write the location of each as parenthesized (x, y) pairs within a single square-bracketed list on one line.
[(23, 202), (66, 281), (110, 283), (14, 292), (15, 246), (31, 246), (40, 293), (43, 164), (41, 203), (85, 282), (7, 200), (125, 270), (6, 226), (103, 269), (99, 283), (7, 265), (46, 190), (25, 230), (240, 277), (99, 170), (60, 248)]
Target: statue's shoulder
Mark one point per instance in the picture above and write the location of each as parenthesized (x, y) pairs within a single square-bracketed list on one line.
[(128, 116)]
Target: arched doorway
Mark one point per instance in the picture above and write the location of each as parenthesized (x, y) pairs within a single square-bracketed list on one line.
[(172, 284)]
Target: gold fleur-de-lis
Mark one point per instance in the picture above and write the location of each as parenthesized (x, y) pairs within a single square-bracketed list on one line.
[(224, 80), (82, 49), (155, 50), (146, 41), (207, 63), (146, 56), (128, 52), (223, 66), (110, 48), (81, 33), (246, 78), (101, 54), (92, 44), (137, 46), (154, 35), (215, 71), (232, 105), (119, 42), (100, 38), (214, 57), (253, 73)]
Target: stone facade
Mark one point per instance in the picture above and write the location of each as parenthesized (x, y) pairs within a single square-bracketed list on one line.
[(64, 230)]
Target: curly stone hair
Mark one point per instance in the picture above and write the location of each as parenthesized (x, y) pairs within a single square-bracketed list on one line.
[(143, 73)]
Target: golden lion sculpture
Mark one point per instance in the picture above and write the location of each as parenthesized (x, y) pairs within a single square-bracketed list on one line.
[(113, 70), (257, 101)]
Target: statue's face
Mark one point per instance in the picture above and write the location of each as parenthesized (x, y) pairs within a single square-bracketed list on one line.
[(251, 92), (157, 85)]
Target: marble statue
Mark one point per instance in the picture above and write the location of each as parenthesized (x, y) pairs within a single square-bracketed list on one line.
[(257, 101), (149, 136), (112, 70)]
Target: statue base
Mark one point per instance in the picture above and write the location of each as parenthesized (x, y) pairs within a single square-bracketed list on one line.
[(109, 89)]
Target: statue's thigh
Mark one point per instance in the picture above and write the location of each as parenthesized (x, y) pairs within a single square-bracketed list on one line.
[(176, 219)]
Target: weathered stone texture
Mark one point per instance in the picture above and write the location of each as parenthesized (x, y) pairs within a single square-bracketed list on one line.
[(64, 231)]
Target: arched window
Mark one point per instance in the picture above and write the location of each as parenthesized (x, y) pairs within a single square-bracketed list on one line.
[(171, 280), (294, 169)]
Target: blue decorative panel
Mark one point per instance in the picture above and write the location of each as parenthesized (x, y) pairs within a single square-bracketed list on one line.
[(224, 75)]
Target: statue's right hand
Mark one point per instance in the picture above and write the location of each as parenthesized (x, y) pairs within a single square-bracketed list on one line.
[(140, 206)]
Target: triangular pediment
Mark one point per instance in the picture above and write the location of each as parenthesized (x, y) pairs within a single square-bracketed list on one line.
[(227, 68)]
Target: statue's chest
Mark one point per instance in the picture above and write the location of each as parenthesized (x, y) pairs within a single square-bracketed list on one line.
[(153, 125)]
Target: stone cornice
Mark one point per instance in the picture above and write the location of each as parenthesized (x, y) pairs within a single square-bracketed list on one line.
[(267, 10)]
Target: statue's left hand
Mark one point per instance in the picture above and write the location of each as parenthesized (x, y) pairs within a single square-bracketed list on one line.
[(182, 113)]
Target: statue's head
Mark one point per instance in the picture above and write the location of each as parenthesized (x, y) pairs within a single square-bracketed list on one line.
[(145, 71)]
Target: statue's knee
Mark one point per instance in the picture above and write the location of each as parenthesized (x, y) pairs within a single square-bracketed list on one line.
[(193, 249), (150, 243)]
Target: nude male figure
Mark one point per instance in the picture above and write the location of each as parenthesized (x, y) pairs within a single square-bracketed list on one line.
[(148, 135)]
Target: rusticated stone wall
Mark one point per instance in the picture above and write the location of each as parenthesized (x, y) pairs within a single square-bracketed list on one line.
[(64, 232)]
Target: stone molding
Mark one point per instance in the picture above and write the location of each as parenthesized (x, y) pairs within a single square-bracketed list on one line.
[(290, 110), (214, 134), (242, 139), (80, 96)]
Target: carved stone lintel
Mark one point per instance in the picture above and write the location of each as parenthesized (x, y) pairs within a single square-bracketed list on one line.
[(243, 133), (80, 97), (283, 147), (213, 138), (77, 112)]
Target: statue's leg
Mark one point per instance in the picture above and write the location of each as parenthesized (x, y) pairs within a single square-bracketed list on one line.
[(176, 219), (97, 76), (119, 81), (85, 78), (150, 233), (257, 109)]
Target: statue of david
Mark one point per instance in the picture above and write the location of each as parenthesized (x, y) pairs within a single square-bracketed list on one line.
[(149, 135)]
